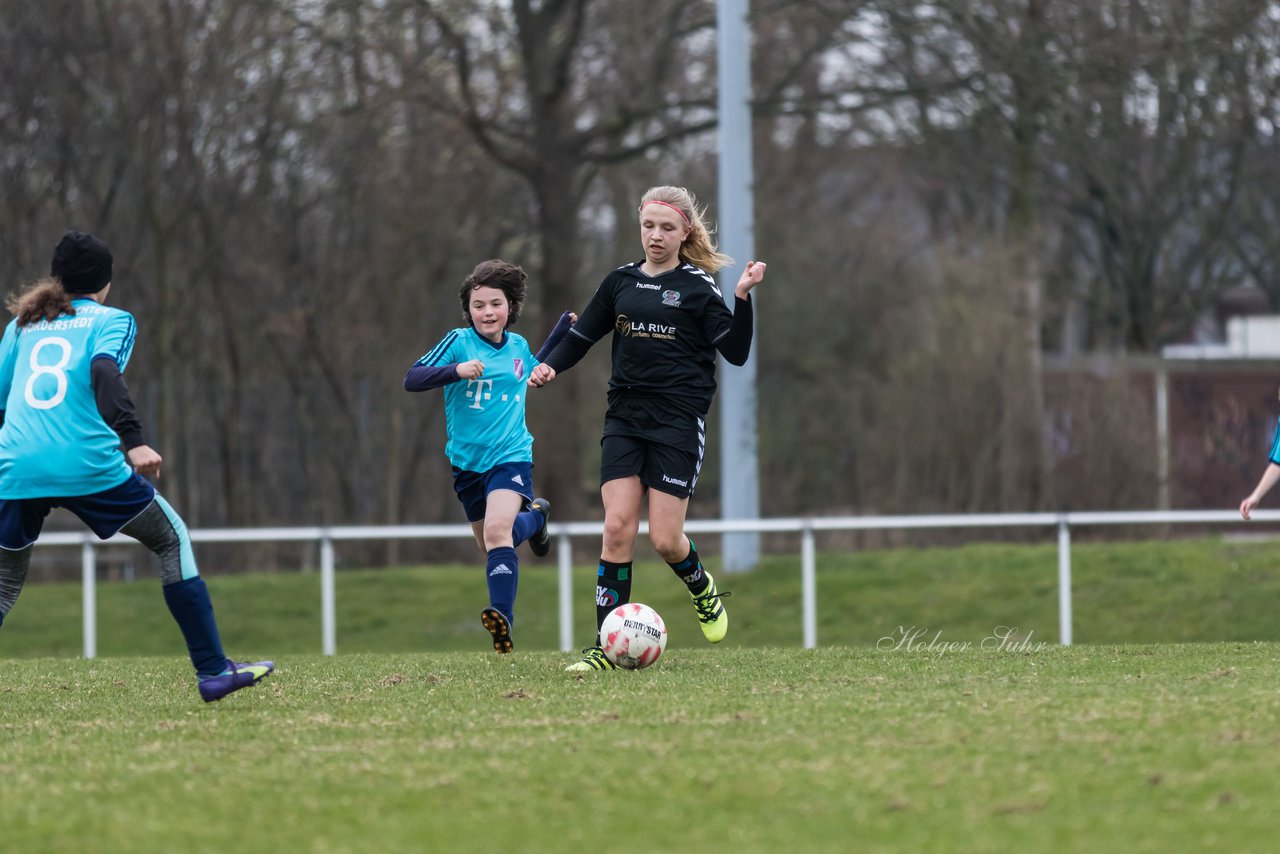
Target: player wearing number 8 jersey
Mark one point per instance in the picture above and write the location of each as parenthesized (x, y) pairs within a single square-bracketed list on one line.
[(65, 415), (54, 440)]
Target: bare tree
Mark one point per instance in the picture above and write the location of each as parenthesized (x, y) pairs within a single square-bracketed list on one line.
[(1149, 159)]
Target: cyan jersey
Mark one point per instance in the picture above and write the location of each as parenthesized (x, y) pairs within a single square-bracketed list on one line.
[(54, 442), (484, 418)]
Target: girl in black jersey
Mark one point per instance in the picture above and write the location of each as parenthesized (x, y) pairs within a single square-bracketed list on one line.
[(668, 320)]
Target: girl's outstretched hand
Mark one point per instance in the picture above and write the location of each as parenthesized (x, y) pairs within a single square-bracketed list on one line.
[(751, 276), (542, 375), (1246, 506)]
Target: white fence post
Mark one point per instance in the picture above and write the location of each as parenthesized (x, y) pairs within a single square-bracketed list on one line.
[(1064, 582), (328, 631), (564, 557), (808, 594), (89, 598)]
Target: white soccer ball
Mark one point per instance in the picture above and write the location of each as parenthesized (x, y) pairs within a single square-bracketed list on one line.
[(633, 636)]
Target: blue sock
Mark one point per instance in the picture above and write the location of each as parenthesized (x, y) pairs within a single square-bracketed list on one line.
[(526, 525), (190, 605), (503, 571)]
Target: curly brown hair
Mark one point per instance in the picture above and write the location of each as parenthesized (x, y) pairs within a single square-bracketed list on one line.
[(512, 280), (44, 300)]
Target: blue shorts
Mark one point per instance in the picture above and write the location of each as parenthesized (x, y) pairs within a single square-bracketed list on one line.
[(105, 512), (473, 488)]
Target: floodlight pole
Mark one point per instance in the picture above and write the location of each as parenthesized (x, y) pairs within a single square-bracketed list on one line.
[(739, 471)]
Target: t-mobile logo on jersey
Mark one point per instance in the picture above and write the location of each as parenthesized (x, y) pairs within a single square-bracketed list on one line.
[(479, 390)]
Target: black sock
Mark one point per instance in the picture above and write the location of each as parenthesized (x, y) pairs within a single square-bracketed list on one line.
[(690, 571), (613, 588)]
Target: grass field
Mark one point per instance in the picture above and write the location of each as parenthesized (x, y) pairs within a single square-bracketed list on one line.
[(416, 738), (1105, 748)]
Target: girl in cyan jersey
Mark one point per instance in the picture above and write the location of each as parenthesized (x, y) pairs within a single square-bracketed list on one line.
[(483, 369), (70, 438)]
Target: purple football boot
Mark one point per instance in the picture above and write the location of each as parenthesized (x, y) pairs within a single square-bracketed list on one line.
[(239, 674)]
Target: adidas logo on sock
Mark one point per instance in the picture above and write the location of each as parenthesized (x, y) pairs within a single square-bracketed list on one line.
[(500, 569)]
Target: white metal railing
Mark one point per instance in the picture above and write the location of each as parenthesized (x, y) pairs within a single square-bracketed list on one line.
[(564, 532)]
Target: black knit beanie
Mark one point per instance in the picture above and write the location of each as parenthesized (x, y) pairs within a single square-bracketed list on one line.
[(82, 263)]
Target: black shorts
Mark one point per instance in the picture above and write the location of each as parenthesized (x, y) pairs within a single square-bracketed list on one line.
[(662, 445)]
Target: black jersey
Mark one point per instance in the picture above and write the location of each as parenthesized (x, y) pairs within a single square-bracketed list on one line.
[(666, 332)]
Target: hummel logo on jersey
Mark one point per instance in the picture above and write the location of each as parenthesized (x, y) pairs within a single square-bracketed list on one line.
[(500, 569), (518, 479)]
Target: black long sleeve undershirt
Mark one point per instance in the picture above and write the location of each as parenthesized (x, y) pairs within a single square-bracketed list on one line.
[(114, 403), (736, 345), (568, 352)]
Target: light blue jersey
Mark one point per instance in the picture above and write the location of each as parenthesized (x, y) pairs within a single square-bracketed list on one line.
[(484, 418), (54, 443)]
